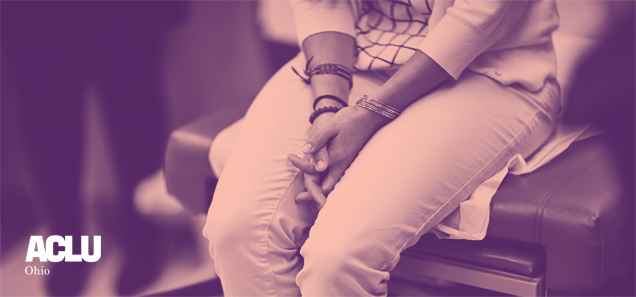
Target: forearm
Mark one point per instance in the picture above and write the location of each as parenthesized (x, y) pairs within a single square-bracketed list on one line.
[(417, 77), (332, 48)]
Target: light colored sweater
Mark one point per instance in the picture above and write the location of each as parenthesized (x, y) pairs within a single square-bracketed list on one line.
[(509, 41)]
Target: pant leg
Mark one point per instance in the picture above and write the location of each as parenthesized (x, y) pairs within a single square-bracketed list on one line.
[(411, 175), (254, 225)]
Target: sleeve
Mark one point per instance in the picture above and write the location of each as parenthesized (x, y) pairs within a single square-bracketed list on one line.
[(315, 16), (467, 29)]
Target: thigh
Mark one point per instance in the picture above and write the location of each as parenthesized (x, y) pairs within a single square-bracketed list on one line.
[(418, 168), (256, 174)]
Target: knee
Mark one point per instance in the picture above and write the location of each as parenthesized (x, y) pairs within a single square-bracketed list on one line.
[(229, 235), (222, 146), (338, 263), (325, 258)]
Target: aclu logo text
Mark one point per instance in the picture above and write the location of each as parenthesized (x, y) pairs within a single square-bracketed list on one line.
[(57, 248)]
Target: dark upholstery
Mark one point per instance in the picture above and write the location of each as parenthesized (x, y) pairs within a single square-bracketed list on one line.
[(189, 176), (572, 211), (575, 207), (510, 256)]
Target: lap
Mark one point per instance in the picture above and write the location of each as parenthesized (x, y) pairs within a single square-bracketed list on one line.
[(412, 172), (274, 127), (418, 168)]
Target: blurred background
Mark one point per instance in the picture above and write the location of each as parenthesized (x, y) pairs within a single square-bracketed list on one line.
[(90, 91)]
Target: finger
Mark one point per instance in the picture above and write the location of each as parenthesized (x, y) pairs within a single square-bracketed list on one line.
[(311, 183), (332, 178), (318, 138), (304, 164), (304, 197), (322, 160)]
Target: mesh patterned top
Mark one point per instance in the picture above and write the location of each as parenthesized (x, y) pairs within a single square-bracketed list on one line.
[(387, 32), (492, 38)]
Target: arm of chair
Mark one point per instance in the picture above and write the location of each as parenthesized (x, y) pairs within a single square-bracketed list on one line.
[(187, 170)]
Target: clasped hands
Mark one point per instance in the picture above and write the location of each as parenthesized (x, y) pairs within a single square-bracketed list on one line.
[(333, 142)]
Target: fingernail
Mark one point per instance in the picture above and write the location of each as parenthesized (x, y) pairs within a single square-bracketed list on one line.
[(307, 148), (321, 165)]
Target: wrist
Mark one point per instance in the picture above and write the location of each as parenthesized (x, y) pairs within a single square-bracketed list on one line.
[(330, 84), (383, 110), (369, 118), (324, 116), (322, 111), (329, 100)]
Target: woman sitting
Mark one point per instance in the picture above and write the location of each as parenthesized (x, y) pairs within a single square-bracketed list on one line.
[(405, 107)]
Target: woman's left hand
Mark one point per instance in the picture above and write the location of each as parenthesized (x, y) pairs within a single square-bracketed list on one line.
[(343, 134)]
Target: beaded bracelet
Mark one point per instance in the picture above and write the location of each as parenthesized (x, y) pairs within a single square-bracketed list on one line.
[(379, 108), (314, 115), (332, 97)]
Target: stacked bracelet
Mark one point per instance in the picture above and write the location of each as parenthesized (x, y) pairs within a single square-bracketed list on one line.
[(334, 69), (314, 115), (327, 68), (332, 97), (382, 109)]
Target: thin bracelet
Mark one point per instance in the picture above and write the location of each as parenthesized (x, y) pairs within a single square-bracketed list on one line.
[(332, 97), (379, 108), (314, 115)]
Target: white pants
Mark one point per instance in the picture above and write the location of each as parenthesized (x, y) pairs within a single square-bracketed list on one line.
[(411, 174)]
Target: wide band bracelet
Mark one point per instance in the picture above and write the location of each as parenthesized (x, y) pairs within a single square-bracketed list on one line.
[(322, 69), (314, 115), (379, 108), (332, 97), (334, 69)]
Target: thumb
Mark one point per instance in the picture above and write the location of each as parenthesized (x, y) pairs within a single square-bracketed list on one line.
[(322, 160), (317, 138)]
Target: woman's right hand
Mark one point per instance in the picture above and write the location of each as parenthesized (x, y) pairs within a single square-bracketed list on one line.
[(325, 47), (313, 167)]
